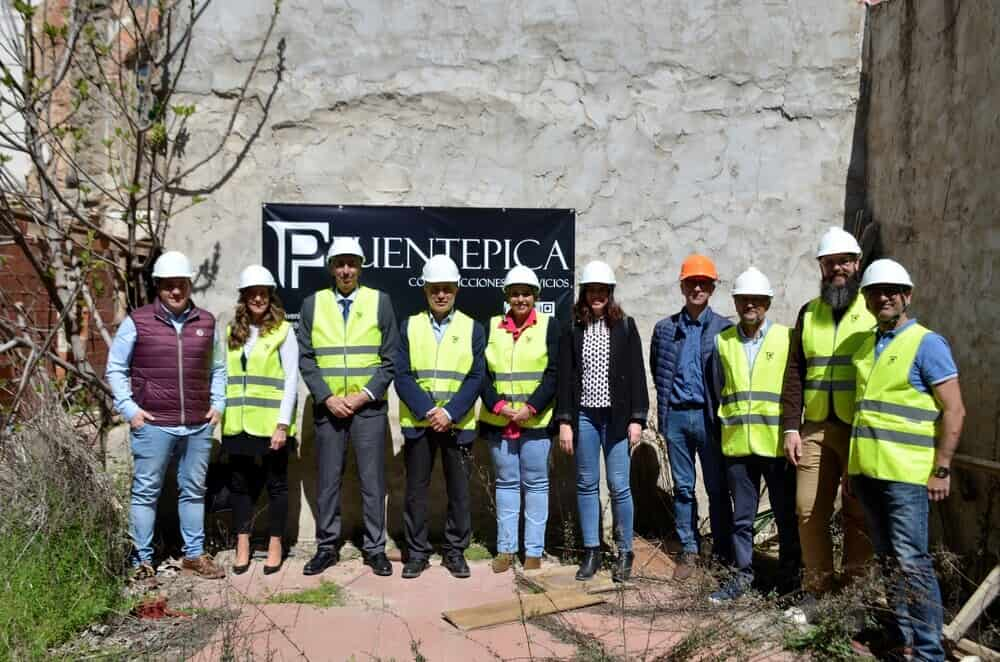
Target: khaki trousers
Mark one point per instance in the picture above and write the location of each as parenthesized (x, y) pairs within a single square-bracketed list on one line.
[(825, 448)]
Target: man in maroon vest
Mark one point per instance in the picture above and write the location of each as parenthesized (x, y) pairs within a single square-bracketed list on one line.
[(169, 382)]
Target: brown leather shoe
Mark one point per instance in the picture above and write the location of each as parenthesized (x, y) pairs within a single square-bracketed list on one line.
[(502, 562), (204, 566), (686, 566), (532, 562)]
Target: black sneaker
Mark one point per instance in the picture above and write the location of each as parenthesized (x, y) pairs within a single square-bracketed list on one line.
[(456, 565), (379, 564), (323, 559), (413, 568)]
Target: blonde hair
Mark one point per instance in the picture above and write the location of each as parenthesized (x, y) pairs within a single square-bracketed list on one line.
[(239, 330)]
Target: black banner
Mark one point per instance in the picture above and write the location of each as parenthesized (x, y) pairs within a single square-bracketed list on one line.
[(484, 242)]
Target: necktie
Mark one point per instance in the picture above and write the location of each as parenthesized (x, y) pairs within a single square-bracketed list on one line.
[(345, 305)]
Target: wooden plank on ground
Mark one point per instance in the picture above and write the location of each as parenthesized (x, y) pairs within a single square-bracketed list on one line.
[(563, 578), (528, 605), (985, 654), (651, 560), (974, 606)]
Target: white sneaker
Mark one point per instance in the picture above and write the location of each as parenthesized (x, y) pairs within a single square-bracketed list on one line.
[(804, 611), (796, 616)]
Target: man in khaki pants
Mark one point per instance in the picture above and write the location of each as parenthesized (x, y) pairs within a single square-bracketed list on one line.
[(817, 404)]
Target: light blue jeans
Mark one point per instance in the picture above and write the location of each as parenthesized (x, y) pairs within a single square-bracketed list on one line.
[(686, 436), (522, 464), (152, 449), (593, 438)]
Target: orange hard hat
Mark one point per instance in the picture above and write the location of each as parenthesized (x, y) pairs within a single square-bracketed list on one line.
[(698, 265)]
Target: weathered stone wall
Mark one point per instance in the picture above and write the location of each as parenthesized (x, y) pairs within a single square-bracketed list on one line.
[(671, 127), (933, 162)]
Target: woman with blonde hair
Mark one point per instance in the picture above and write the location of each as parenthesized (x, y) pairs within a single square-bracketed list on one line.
[(262, 358)]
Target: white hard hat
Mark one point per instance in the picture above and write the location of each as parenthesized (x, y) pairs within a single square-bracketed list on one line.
[(256, 275), (597, 272), (173, 264), (753, 282), (835, 240), (440, 269), (885, 272), (522, 275), (345, 246)]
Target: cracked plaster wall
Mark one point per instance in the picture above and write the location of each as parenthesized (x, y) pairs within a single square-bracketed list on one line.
[(933, 162), (721, 127)]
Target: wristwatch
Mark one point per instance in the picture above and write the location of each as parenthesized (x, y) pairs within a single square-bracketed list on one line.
[(942, 472)]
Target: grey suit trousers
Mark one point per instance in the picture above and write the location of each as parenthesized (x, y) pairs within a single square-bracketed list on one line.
[(367, 434)]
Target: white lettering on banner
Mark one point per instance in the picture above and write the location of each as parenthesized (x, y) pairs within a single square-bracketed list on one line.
[(416, 281), (303, 244)]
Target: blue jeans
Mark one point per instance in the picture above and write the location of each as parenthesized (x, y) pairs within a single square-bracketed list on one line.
[(896, 518), (686, 435), (593, 437), (152, 448), (522, 463), (744, 475)]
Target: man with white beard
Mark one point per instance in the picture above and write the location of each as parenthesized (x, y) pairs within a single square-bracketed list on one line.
[(817, 403)]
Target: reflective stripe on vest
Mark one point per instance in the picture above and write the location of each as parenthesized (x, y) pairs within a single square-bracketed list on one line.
[(439, 368), (347, 358), (828, 348), (253, 396), (895, 425), (750, 409), (517, 369)]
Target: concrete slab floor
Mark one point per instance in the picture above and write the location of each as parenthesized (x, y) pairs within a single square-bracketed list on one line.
[(386, 618)]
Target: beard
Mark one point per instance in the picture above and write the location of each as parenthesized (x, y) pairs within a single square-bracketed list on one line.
[(840, 297)]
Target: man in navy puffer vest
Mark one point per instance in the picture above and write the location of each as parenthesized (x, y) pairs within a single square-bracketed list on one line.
[(687, 413)]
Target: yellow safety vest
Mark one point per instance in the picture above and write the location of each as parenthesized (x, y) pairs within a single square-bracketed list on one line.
[(347, 356), (751, 398), (253, 396), (829, 348), (517, 369), (895, 425), (439, 368)]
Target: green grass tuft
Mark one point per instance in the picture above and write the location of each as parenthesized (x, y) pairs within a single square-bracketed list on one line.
[(327, 594), (54, 582), (477, 552)]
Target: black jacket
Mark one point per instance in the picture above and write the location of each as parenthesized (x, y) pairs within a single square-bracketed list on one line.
[(626, 372)]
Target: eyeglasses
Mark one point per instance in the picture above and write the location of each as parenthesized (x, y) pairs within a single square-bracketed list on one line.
[(888, 291), (703, 283), (840, 260), (743, 301)]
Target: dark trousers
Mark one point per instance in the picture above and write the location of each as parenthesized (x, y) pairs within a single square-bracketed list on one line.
[(457, 462), (368, 436), (248, 475), (744, 475)]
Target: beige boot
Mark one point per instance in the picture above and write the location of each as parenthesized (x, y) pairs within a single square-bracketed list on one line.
[(502, 562), (532, 562)]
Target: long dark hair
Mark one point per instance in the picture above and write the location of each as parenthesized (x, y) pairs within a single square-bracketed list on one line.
[(582, 314), (239, 330)]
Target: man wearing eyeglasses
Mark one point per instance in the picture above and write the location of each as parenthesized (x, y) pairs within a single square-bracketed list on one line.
[(907, 423), (817, 405), (679, 353)]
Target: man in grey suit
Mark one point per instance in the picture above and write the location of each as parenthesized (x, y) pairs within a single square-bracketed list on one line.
[(347, 339)]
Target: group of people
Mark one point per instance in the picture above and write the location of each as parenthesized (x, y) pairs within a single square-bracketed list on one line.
[(856, 394)]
